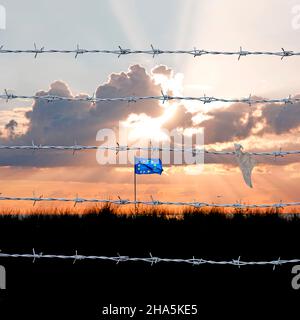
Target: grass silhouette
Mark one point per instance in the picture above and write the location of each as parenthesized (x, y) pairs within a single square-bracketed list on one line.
[(107, 230)]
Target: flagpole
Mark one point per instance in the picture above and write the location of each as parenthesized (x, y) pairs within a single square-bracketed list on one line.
[(134, 183), (135, 207)]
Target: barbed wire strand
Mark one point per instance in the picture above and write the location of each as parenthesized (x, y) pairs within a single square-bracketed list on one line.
[(152, 202), (152, 260), (118, 148), (163, 97), (36, 51)]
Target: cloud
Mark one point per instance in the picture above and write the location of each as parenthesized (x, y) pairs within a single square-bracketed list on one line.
[(227, 124), (10, 127), (63, 122), (163, 70), (280, 119), (136, 82), (240, 121), (58, 122), (181, 119)]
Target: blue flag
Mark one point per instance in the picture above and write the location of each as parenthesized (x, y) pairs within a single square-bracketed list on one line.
[(147, 166)]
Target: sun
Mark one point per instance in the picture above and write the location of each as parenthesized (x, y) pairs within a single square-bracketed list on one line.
[(143, 127)]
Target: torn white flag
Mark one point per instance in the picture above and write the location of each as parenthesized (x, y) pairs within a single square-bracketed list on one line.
[(245, 162)]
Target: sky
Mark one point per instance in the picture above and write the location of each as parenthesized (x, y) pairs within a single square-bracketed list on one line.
[(106, 24)]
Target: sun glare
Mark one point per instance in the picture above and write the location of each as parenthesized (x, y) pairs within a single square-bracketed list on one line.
[(142, 126)]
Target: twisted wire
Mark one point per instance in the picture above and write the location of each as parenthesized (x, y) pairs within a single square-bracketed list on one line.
[(36, 51), (119, 148), (150, 259), (153, 202), (163, 97)]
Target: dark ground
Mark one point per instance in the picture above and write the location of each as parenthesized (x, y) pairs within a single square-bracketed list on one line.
[(54, 288)]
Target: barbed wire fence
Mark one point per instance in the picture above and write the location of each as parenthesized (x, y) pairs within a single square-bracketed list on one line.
[(163, 97), (152, 202), (36, 51), (118, 148), (152, 260)]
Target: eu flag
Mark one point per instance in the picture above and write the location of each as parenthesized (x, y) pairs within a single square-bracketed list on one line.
[(147, 166)]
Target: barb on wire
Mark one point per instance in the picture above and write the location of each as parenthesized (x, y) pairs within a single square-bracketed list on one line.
[(123, 52), (198, 53), (79, 51), (153, 52), (207, 99), (36, 255), (163, 97), (153, 260), (8, 96), (78, 200), (155, 202), (36, 199), (37, 51), (156, 52), (278, 154), (92, 98), (237, 262), (152, 202), (150, 259), (286, 53), (277, 263), (248, 100), (122, 201), (34, 147), (288, 100), (242, 53), (121, 258), (77, 257), (118, 148), (76, 148)]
